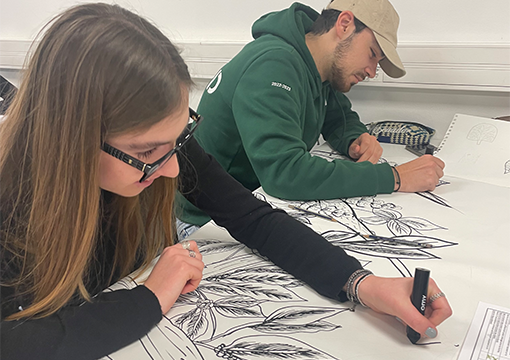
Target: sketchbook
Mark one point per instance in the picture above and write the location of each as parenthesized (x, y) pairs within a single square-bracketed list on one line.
[(477, 148)]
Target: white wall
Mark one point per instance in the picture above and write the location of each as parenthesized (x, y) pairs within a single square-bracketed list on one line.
[(441, 23), (230, 20)]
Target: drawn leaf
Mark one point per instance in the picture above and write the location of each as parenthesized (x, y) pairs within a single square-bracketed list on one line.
[(374, 220), (239, 306), (266, 275), (420, 224), (301, 315), (398, 227), (194, 323), (434, 242), (483, 132), (187, 299), (385, 250), (312, 327), (302, 219), (245, 301), (387, 213), (210, 246), (336, 236), (263, 291), (434, 197), (269, 347), (237, 311), (507, 167), (197, 324), (183, 318), (165, 336)]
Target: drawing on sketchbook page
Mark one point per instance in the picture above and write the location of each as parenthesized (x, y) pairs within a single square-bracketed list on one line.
[(482, 132)]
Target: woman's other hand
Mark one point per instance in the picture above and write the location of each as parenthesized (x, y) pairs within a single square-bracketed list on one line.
[(178, 271)]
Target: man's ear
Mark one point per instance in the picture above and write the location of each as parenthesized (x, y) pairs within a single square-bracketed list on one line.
[(344, 25)]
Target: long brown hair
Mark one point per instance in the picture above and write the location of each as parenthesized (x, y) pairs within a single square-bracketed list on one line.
[(99, 70)]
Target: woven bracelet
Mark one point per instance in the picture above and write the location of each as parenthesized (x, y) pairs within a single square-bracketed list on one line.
[(356, 294), (397, 178), (352, 290)]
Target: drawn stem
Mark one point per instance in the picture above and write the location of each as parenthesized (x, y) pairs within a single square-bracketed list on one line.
[(230, 331)]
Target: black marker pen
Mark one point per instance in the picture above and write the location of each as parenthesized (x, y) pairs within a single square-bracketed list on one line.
[(419, 298), (429, 149)]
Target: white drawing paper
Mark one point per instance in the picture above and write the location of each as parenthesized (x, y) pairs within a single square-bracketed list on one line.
[(246, 308)]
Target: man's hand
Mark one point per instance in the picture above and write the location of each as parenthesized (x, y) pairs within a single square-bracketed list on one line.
[(421, 174), (366, 148)]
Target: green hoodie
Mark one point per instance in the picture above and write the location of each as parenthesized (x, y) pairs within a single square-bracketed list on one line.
[(266, 109)]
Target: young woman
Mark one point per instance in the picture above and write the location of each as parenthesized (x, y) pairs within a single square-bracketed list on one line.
[(88, 169)]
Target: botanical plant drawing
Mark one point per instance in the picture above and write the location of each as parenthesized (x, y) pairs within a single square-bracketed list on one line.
[(483, 132), (247, 308)]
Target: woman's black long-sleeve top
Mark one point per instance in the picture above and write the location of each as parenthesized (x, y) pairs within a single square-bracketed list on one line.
[(114, 319)]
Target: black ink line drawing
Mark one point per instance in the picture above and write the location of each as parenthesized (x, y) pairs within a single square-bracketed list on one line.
[(248, 308), (359, 216), (483, 132), (384, 161), (235, 295), (434, 197), (332, 154), (329, 155)]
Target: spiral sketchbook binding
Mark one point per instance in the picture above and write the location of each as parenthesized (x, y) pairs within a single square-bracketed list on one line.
[(448, 132)]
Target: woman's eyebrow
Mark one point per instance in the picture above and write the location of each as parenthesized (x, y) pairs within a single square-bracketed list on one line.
[(148, 145)]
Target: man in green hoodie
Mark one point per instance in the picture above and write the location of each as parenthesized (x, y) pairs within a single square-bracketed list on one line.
[(266, 108)]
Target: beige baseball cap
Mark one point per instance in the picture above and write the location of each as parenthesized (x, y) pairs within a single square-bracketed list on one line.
[(382, 19)]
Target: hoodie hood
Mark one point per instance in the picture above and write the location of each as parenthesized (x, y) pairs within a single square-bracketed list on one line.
[(290, 25)]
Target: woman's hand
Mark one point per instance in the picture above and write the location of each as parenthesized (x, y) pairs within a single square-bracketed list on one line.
[(175, 273), (393, 296)]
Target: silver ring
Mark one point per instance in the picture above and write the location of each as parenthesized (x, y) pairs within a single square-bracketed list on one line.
[(186, 244), (192, 254), (436, 296)]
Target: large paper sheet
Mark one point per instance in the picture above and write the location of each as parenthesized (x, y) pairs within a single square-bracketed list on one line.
[(247, 308)]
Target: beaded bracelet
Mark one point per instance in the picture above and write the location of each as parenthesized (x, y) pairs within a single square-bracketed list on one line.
[(397, 178)]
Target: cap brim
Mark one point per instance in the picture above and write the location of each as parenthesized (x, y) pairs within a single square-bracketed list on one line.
[(391, 64)]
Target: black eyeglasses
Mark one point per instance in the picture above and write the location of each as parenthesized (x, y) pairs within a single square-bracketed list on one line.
[(149, 169)]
